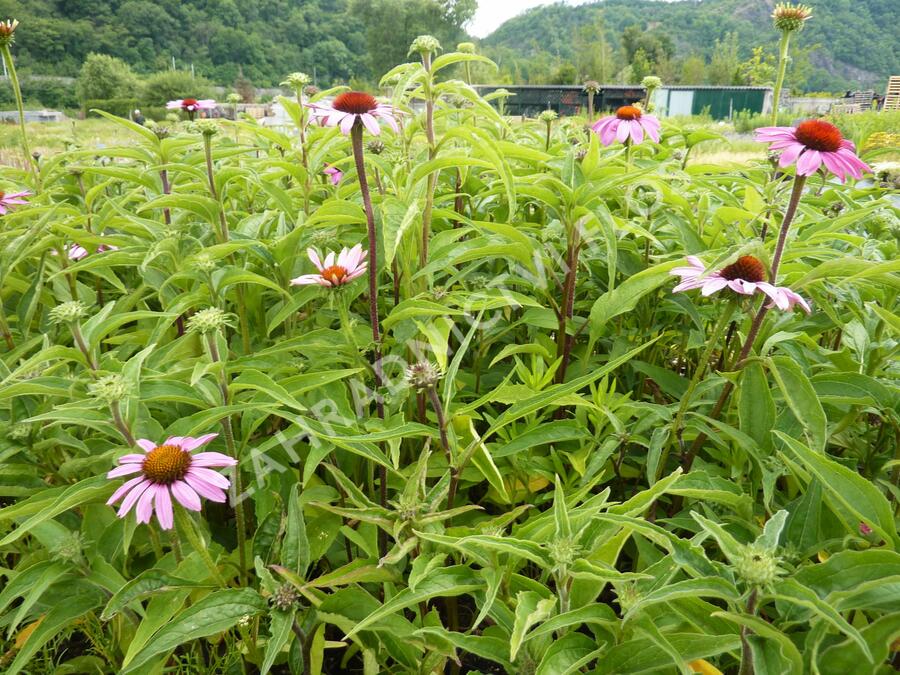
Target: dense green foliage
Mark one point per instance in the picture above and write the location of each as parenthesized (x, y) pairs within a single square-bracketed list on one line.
[(548, 491), (847, 44), (334, 39)]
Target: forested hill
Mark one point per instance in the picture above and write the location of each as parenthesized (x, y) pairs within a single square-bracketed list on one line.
[(336, 39), (846, 41)]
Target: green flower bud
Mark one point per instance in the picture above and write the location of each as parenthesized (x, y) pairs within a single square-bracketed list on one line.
[(651, 82), (234, 98), (424, 44), (423, 375), (564, 552), (548, 116), (466, 47), (296, 81), (68, 547), (757, 565), (19, 432), (208, 320), (110, 388), (68, 312), (285, 598), (627, 595), (375, 147), (206, 127), (591, 87)]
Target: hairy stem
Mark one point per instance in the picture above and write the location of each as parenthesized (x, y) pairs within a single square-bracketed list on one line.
[(746, 653), (20, 106), (782, 68), (700, 370), (231, 446), (188, 528), (356, 138), (790, 212)]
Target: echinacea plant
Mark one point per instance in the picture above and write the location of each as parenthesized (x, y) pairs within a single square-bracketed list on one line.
[(529, 404)]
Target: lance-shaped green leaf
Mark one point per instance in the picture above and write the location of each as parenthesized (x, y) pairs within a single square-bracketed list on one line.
[(146, 583), (213, 614), (856, 498), (531, 608), (446, 583)]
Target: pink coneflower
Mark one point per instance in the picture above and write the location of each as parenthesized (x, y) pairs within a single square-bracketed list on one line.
[(351, 106), (629, 121), (745, 276), (811, 144), (166, 468), (350, 264), (191, 105), (77, 252), (7, 201), (333, 173)]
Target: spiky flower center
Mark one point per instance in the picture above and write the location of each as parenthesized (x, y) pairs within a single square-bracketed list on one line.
[(189, 103), (2, 195), (354, 102), (746, 268), (790, 18), (166, 464), (628, 112), (335, 274), (819, 135)]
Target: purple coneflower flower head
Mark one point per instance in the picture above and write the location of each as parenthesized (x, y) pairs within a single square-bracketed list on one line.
[(352, 106), (333, 173), (8, 200), (811, 144), (628, 122), (350, 265), (745, 276), (191, 105), (170, 470)]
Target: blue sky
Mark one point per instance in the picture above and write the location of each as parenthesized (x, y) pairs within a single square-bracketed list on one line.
[(491, 13)]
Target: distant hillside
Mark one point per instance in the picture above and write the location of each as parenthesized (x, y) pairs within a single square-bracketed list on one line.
[(857, 41), (334, 40)]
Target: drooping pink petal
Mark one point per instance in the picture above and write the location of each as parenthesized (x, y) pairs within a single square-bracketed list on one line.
[(204, 489), (164, 507), (790, 154), (130, 459), (209, 476), (174, 440), (144, 509), (809, 162), (637, 132), (347, 124), (185, 495), (133, 496), (623, 130), (713, 284), (123, 488)]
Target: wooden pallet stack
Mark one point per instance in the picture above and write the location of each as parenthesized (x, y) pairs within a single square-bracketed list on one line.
[(892, 95)]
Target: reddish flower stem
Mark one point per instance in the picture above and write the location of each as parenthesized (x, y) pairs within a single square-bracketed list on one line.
[(687, 459), (356, 139)]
